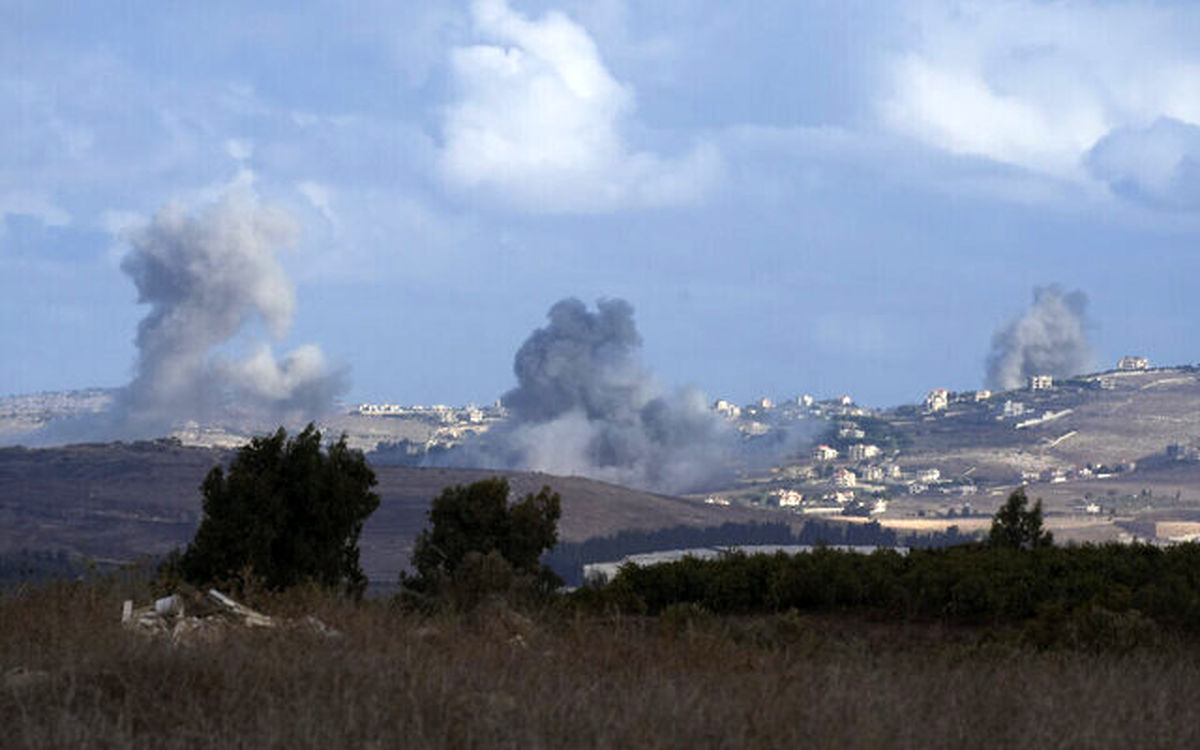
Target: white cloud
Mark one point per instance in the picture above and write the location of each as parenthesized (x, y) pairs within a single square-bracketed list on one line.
[(1158, 165), (1037, 85), (239, 150), (539, 123), (318, 195)]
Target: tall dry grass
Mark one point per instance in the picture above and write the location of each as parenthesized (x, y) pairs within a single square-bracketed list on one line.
[(496, 679)]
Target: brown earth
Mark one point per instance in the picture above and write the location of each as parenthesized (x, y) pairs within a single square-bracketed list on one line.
[(120, 501)]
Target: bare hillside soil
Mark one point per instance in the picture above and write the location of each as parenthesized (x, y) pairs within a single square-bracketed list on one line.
[(121, 501)]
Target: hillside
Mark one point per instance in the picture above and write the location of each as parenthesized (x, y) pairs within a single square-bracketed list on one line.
[(1113, 454), (119, 501), (1095, 448), (1108, 418)]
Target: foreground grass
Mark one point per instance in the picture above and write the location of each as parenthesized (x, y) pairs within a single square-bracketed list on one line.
[(496, 679)]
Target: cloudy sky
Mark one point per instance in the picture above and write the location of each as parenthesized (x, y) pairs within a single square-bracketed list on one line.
[(827, 196)]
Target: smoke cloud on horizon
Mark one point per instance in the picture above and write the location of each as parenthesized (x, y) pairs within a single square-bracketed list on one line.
[(585, 405), (208, 278), (1050, 338)]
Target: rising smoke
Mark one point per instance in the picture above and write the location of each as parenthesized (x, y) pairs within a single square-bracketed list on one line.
[(208, 278), (584, 404), (1048, 339)]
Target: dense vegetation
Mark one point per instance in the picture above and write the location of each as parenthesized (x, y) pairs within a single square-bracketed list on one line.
[(1015, 577), (1014, 641), (286, 513), (966, 583), (568, 559), (479, 543)]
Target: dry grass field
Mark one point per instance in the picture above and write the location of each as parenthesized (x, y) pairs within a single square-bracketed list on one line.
[(555, 680)]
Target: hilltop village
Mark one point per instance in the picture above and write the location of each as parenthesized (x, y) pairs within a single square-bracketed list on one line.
[(926, 460), (1115, 455), (1103, 449)]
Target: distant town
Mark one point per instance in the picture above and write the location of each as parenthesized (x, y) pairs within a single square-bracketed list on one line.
[(933, 462)]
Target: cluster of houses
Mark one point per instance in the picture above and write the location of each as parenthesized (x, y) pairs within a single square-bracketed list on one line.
[(1060, 474), (437, 414), (839, 502), (941, 399), (765, 414), (854, 479)]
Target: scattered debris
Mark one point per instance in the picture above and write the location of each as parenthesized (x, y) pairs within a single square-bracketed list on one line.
[(190, 616)]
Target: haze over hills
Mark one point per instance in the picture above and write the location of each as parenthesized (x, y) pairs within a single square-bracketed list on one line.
[(1115, 455), (122, 501)]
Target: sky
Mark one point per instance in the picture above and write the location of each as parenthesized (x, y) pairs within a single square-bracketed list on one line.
[(815, 196)]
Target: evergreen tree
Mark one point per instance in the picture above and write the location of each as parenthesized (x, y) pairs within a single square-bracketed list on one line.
[(287, 513), (475, 532), (1016, 527)]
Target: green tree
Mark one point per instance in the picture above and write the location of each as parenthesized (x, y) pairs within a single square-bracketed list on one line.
[(477, 540), (287, 513), (1015, 526)]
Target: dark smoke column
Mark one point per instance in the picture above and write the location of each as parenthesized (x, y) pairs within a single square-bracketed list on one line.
[(584, 404), (1048, 339), (581, 360)]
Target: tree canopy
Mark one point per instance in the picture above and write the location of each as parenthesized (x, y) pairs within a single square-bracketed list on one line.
[(287, 513), (1017, 527), (474, 530)]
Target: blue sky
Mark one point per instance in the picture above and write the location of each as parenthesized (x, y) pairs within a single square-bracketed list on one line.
[(823, 197)]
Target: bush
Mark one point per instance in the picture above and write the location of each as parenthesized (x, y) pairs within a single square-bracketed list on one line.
[(1134, 584), (1016, 527), (479, 544), (286, 513)]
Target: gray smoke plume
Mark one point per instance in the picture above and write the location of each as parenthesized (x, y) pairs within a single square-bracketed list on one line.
[(584, 404), (207, 278), (1049, 339)]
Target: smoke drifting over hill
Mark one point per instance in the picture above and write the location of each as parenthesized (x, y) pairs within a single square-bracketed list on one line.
[(584, 404), (1048, 339), (207, 278)]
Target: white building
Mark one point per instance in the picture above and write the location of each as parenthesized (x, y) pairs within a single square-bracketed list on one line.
[(727, 409), (1013, 409), (1133, 363), (862, 451), (788, 498), (929, 475), (824, 453), (1040, 382), (844, 479), (937, 400)]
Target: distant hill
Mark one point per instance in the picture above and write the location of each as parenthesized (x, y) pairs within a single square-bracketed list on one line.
[(1115, 455), (1102, 419), (119, 501)]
